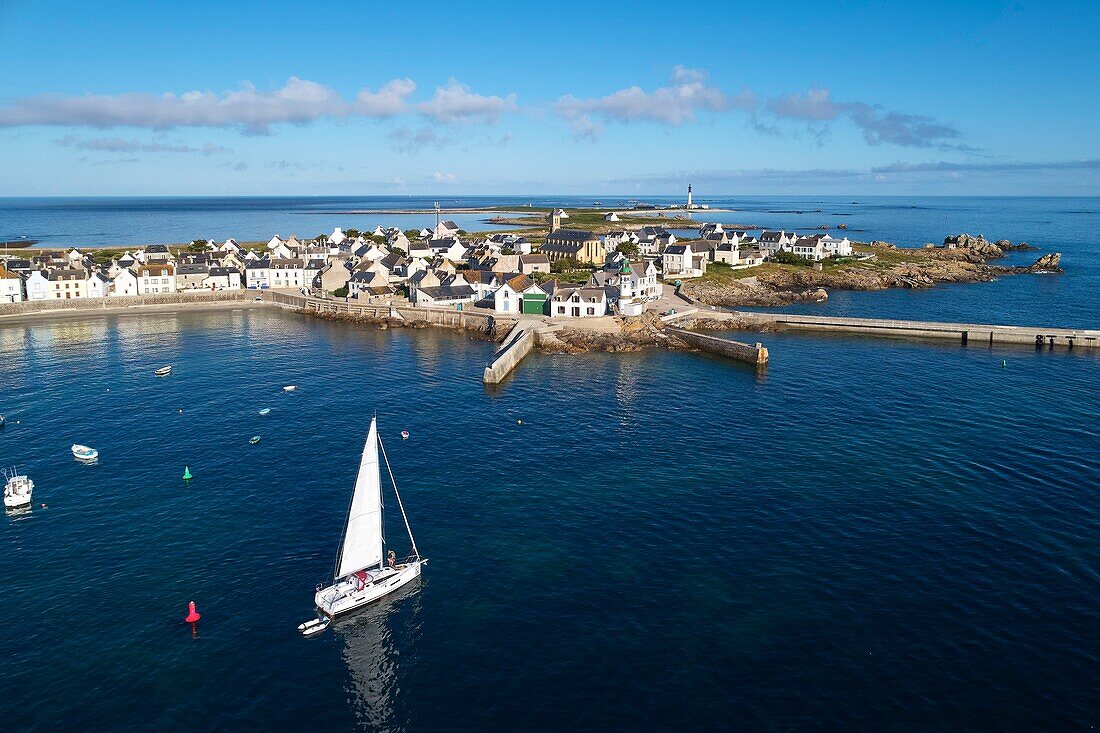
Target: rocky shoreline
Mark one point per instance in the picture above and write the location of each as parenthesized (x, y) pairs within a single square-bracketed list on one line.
[(962, 259)]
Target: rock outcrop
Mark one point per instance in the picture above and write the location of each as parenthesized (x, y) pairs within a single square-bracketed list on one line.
[(1047, 263)]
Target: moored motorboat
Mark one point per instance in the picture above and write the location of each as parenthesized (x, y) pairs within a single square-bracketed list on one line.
[(17, 490), (364, 571), (84, 453), (290, 388), (404, 435), (265, 410), (164, 371), (254, 439)]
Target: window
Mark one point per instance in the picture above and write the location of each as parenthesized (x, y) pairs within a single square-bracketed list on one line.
[(591, 311)]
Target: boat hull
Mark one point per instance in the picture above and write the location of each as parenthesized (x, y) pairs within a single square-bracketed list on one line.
[(343, 598)]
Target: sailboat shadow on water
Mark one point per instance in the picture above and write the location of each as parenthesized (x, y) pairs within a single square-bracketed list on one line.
[(364, 572)]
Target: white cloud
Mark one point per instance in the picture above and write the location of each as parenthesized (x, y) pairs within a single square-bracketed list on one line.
[(456, 103), (120, 145), (813, 106), (440, 177), (675, 104), (299, 101), (816, 107)]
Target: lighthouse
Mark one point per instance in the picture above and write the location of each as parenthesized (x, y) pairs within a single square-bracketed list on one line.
[(689, 196)]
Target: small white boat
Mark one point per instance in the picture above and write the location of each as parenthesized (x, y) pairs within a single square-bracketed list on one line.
[(265, 411), (84, 453), (254, 439), (404, 435), (290, 388), (164, 371), (17, 490), (2, 421), (314, 626), (364, 571)]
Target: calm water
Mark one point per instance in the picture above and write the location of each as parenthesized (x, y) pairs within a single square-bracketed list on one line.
[(870, 535), (1066, 225)]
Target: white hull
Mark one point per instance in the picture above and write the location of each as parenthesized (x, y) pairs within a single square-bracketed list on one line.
[(342, 598), (84, 453), (17, 492)]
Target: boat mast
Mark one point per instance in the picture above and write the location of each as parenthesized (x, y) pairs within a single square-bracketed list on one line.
[(400, 504)]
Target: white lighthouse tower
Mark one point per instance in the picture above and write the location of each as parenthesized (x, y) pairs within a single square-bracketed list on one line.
[(689, 197)]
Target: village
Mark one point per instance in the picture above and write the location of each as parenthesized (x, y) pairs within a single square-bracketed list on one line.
[(568, 274)]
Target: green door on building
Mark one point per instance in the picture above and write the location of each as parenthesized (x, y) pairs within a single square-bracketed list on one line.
[(534, 305)]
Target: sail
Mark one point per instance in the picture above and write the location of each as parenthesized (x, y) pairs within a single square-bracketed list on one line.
[(363, 538)]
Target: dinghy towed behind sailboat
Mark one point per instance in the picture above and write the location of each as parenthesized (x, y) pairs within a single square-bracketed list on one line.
[(364, 573)]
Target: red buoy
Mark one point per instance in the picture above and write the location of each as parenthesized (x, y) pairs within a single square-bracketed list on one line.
[(192, 614)]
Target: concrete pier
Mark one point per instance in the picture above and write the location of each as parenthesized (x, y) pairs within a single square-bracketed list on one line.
[(518, 344), (965, 333), (752, 353)]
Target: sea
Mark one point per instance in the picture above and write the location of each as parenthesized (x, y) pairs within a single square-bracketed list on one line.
[(866, 535)]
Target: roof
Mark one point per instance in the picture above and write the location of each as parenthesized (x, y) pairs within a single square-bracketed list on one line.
[(535, 259), (586, 293), (447, 292), (677, 249), (449, 224), (571, 235), (67, 274)]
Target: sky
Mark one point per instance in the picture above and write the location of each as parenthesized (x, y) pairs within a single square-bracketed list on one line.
[(274, 98)]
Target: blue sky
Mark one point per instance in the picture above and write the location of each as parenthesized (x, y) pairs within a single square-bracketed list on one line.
[(120, 98)]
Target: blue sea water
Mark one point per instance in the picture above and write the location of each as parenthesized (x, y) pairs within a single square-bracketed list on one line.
[(868, 535)]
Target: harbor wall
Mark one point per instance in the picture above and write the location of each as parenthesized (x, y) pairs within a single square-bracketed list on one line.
[(974, 334), (751, 353), (132, 301), (518, 345)]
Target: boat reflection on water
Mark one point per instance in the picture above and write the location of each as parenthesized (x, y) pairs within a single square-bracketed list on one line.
[(373, 639)]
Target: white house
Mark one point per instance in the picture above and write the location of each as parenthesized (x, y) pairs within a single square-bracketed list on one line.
[(11, 286), (445, 229), (287, 273), (337, 236), (508, 298), (283, 251), (578, 302), (156, 278), (124, 284), (773, 242), (38, 286), (222, 278), (272, 243), (257, 274), (677, 259), (449, 247), (809, 247), (836, 247), (611, 216), (444, 295), (96, 286)]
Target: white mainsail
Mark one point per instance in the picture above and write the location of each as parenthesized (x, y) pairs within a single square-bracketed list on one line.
[(363, 538)]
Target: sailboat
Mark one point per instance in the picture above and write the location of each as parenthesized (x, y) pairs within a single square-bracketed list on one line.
[(364, 572)]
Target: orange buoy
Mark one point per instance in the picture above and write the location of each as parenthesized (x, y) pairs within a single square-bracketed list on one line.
[(192, 614)]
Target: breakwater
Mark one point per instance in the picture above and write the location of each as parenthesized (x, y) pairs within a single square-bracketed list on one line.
[(965, 333), (755, 353)]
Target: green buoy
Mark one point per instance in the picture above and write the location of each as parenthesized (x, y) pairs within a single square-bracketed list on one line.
[(186, 473)]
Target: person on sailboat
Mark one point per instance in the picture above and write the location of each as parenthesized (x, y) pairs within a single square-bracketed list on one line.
[(392, 559)]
